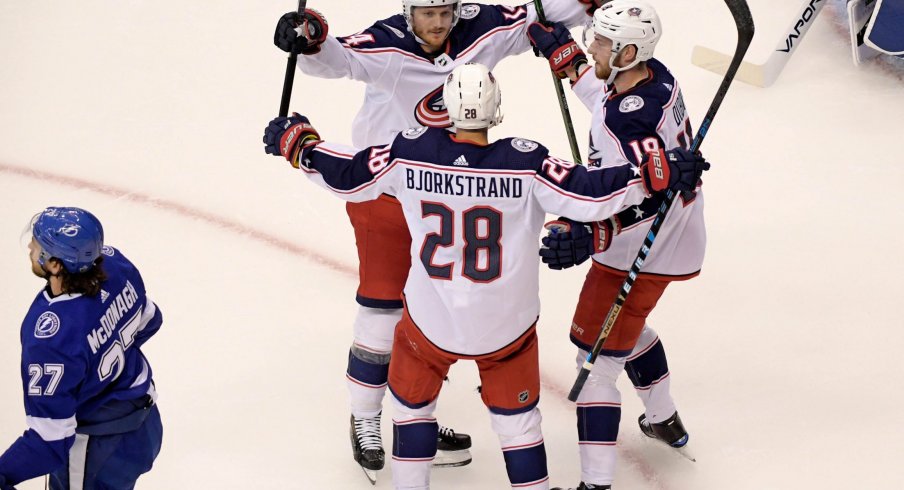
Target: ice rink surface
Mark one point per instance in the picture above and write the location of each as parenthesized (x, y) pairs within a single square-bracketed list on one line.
[(783, 353)]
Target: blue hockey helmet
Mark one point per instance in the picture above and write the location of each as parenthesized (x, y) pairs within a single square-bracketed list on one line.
[(72, 235)]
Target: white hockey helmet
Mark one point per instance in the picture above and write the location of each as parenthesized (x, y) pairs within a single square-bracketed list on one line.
[(409, 5), (473, 97), (628, 22)]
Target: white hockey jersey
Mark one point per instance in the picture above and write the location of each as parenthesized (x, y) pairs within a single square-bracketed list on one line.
[(474, 213), (404, 84), (624, 127)]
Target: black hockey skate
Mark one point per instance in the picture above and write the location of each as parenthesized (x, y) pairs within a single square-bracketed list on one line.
[(586, 486), (452, 448), (670, 431), (367, 445)]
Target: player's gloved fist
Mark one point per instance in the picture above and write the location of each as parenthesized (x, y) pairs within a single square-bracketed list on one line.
[(677, 169), (4, 485), (555, 43), (571, 243), (312, 26), (592, 5), (287, 135)]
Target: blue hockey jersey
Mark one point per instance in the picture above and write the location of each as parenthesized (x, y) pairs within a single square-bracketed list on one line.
[(80, 356)]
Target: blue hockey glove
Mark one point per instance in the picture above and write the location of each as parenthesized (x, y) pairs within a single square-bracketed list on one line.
[(556, 44), (571, 243), (677, 169), (4, 485), (313, 26), (286, 135)]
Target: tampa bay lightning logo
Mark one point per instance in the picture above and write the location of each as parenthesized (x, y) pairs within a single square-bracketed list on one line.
[(107, 250), (69, 230), (48, 325), (469, 11), (524, 145), (431, 110)]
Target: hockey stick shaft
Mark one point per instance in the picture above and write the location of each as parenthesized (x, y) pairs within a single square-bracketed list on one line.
[(741, 14), (766, 74), (560, 94), (289, 80)]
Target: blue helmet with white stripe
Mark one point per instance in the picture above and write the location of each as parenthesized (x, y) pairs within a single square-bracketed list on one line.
[(72, 235)]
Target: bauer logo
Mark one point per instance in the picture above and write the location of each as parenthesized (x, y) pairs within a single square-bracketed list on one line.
[(631, 104), (431, 110), (469, 11), (523, 396), (47, 326)]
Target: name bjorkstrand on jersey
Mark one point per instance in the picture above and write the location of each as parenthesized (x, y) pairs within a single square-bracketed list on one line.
[(463, 185), (121, 304)]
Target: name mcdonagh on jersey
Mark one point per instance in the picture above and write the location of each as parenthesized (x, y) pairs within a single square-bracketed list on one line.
[(452, 184), (119, 307)]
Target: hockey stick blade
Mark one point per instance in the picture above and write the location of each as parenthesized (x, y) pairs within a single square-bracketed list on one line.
[(767, 73), (740, 12)]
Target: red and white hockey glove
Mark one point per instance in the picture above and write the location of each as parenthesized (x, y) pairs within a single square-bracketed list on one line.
[(677, 169), (571, 243), (286, 136), (556, 44), (592, 5), (301, 34)]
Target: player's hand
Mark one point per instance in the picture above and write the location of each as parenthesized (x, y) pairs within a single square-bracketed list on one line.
[(555, 43), (677, 169), (4, 485), (571, 243), (592, 5), (287, 135), (313, 27)]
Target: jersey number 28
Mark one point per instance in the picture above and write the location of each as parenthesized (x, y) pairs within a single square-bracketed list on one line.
[(482, 234)]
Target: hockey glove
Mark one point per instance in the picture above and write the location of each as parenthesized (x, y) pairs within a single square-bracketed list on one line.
[(555, 43), (287, 135), (312, 26), (4, 485), (592, 5), (677, 169), (571, 243)]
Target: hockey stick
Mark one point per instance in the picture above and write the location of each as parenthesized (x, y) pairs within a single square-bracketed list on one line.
[(560, 94), (764, 75), (290, 72), (741, 13)]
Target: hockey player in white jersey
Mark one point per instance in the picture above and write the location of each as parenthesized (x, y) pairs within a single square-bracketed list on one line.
[(474, 210), (403, 60), (637, 108)]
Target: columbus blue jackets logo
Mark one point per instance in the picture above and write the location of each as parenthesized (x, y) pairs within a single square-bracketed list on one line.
[(469, 11), (413, 133), (431, 110), (48, 325), (524, 145), (631, 104)]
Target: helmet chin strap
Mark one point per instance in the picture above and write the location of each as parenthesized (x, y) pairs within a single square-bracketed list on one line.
[(615, 69)]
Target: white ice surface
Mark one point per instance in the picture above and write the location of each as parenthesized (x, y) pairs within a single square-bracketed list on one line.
[(784, 352)]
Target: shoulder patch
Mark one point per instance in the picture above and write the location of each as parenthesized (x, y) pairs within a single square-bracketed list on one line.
[(47, 326), (399, 34), (107, 250), (469, 11), (414, 133), (524, 145), (631, 103)]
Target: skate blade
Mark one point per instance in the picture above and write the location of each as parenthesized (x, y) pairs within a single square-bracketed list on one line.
[(451, 459), (371, 475), (680, 450)]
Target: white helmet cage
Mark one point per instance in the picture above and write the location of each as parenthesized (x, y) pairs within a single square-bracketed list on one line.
[(628, 22), (473, 97), (409, 5)]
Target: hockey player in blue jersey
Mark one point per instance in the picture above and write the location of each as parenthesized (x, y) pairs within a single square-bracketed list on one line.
[(637, 107), (89, 392), (472, 290)]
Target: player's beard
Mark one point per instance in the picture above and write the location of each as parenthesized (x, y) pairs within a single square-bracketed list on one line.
[(602, 71), (39, 270)]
